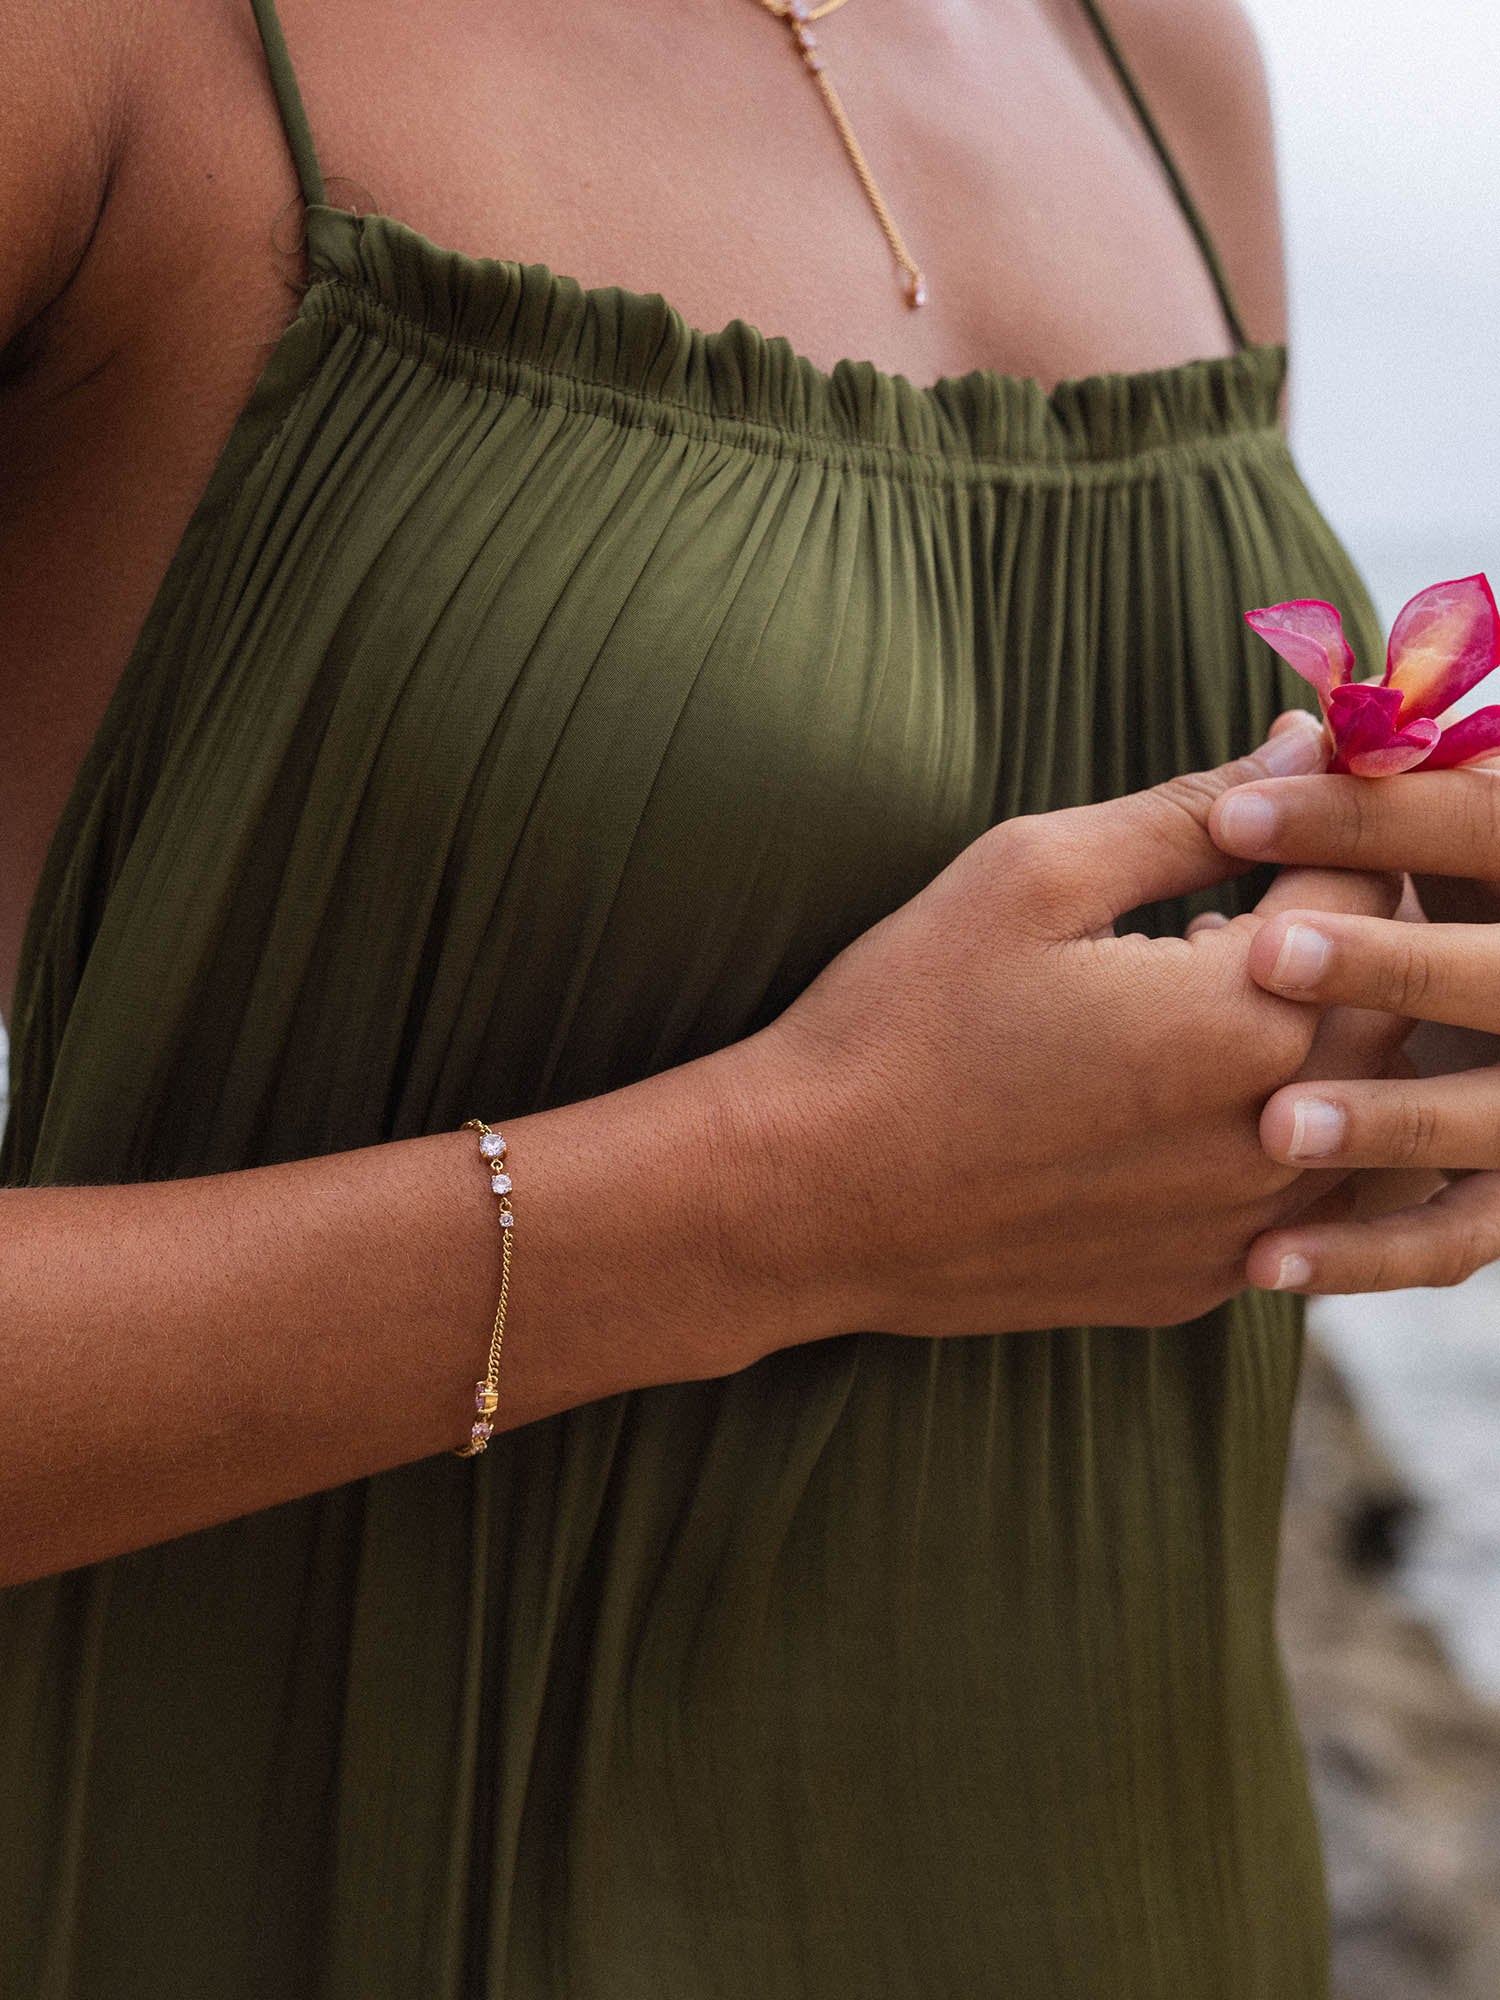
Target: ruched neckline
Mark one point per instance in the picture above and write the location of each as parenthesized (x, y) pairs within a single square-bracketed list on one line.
[(635, 355)]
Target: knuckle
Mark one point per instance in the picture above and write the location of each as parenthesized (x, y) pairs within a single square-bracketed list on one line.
[(1181, 807), (1277, 1048), (1035, 862), (1405, 980), (1192, 793), (1413, 1134), (1290, 1034), (1461, 1250), (1351, 811)]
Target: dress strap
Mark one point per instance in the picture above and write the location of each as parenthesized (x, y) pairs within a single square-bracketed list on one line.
[(289, 101), (1185, 200)]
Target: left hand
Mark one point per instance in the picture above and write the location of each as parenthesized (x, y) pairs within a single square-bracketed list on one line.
[(1445, 828)]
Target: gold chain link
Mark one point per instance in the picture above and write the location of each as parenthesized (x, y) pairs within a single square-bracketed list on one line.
[(797, 15), (487, 1392)]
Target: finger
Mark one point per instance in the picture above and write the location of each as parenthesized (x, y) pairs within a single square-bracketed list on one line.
[(1429, 972), (1353, 1042), (1342, 1192), (1289, 718), (1441, 1242), (1100, 861), (1434, 1121), (1427, 822), (1211, 920), (1359, 892), (1350, 1041)]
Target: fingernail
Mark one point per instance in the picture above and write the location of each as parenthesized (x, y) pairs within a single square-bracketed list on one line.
[(1246, 821), (1293, 751), (1317, 1129), (1292, 1271), (1302, 957)]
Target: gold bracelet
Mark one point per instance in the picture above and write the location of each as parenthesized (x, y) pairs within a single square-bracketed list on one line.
[(486, 1393)]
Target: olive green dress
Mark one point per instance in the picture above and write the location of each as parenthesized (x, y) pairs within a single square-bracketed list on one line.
[(543, 692)]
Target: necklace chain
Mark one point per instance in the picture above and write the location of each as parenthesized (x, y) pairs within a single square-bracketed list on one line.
[(797, 16)]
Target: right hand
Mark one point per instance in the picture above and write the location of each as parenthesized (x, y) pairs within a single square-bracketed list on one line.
[(994, 1114)]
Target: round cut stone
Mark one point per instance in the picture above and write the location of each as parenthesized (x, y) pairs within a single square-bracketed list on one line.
[(492, 1146), (506, 1218), (482, 1432), (500, 1183)]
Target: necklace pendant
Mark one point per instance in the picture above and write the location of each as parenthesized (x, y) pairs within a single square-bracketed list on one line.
[(798, 16)]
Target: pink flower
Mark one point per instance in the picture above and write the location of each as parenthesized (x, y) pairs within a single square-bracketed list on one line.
[(1442, 644)]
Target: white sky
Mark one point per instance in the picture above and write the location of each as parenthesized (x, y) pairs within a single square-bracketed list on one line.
[(1387, 122)]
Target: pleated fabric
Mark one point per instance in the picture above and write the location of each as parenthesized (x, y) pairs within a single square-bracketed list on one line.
[(543, 693)]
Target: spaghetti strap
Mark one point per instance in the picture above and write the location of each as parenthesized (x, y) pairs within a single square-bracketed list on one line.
[(289, 101), (1185, 200)]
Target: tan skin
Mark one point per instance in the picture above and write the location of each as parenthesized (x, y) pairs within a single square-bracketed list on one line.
[(559, 135), (136, 274), (1444, 827)]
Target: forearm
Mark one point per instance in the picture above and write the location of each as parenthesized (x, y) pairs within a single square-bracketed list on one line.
[(178, 1353)]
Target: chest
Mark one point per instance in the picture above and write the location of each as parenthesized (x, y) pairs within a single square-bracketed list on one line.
[(688, 151), (666, 150)]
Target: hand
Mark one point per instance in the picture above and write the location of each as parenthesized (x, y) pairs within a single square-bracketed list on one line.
[(1446, 827), (995, 1114), (1441, 827)]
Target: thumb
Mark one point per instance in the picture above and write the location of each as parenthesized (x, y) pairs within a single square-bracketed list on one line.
[(1150, 845)]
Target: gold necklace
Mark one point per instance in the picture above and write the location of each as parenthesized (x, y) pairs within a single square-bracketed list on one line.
[(797, 14)]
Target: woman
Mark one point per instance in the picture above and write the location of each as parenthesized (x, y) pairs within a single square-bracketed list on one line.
[(727, 762)]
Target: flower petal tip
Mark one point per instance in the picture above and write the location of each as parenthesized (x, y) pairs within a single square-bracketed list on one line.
[(1309, 636), (1444, 642)]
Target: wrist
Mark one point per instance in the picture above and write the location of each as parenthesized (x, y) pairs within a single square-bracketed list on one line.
[(779, 1190)]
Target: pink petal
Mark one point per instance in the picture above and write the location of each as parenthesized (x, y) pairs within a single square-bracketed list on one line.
[(1309, 635), (1477, 735), (1442, 643), (1366, 737)]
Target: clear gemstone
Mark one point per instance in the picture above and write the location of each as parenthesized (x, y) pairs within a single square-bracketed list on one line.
[(506, 1218), (492, 1146), (500, 1183)]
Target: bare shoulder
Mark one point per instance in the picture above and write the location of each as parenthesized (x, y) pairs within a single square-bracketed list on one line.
[(64, 88), (1200, 68)]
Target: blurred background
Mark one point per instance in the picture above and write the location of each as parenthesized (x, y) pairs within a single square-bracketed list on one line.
[(1391, 1571)]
